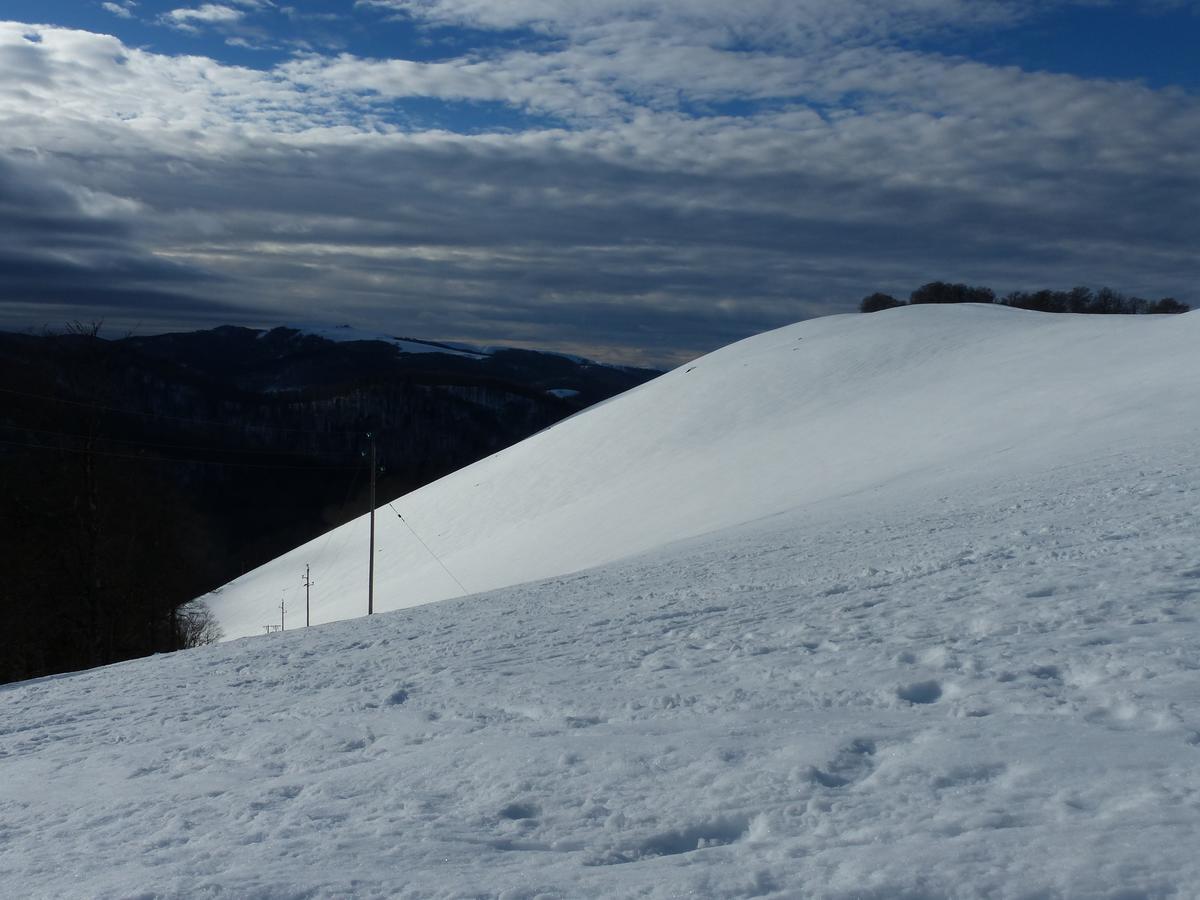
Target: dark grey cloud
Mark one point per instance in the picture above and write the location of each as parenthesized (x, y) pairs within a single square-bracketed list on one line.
[(55, 254)]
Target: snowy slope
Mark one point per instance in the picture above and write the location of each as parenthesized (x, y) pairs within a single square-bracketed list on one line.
[(983, 688), (904, 401)]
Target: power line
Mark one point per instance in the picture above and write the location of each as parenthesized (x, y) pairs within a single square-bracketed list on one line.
[(426, 546), (371, 568)]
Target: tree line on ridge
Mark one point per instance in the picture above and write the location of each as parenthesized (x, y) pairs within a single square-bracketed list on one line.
[(1104, 301)]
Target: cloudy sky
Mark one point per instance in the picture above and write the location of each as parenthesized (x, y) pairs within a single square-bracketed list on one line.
[(639, 180)]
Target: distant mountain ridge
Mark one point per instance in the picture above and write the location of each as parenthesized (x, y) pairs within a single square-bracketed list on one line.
[(299, 358)]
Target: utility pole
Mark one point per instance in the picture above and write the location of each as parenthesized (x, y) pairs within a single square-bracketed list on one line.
[(308, 583), (282, 612), (371, 567)]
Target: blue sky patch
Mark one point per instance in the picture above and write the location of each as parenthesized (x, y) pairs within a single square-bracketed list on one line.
[(1160, 47)]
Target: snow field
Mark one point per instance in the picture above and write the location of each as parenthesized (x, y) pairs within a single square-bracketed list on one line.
[(984, 694)]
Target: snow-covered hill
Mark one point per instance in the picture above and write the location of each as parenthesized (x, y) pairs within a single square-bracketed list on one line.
[(347, 333), (910, 400), (916, 616)]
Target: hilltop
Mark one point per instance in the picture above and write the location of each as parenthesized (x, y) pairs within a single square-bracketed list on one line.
[(911, 400)]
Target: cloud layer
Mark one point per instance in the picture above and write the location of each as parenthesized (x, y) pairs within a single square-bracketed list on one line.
[(626, 178)]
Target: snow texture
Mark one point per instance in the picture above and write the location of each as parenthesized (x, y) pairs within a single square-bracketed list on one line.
[(892, 606)]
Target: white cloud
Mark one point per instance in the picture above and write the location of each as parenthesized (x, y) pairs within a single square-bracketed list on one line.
[(123, 11), (799, 22), (209, 14)]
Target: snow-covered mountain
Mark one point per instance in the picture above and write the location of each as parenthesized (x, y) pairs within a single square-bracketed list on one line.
[(892, 606), (348, 334)]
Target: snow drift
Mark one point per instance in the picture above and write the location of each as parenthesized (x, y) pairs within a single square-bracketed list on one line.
[(802, 415)]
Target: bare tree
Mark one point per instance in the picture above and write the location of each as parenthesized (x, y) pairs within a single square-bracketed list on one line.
[(197, 625)]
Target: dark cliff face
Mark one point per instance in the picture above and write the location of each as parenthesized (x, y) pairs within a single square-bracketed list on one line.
[(136, 474)]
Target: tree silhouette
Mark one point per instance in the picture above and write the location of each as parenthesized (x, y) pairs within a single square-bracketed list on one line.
[(878, 302), (944, 292)]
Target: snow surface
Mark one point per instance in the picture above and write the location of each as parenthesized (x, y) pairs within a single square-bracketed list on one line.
[(346, 333), (899, 401), (962, 664)]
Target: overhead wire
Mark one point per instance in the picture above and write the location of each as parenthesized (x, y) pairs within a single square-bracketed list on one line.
[(428, 550)]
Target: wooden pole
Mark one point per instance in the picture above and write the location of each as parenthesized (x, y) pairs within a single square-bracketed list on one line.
[(371, 567)]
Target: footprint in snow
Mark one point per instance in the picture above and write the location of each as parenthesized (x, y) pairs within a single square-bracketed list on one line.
[(920, 692), (1046, 673), (397, 697), (519, 810), (674, 842), (852, 763)]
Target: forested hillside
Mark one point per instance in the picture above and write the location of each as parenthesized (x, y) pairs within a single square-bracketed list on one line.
[(139, 473)]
